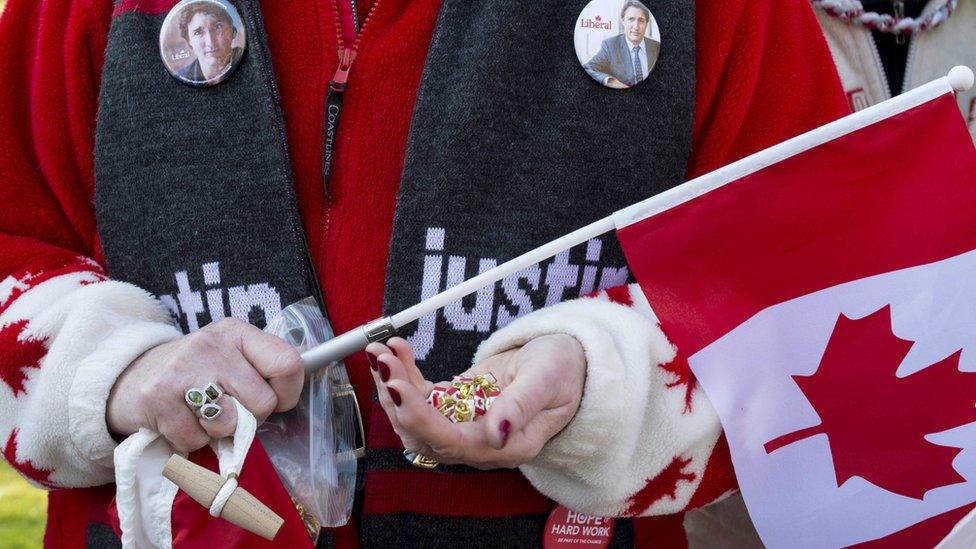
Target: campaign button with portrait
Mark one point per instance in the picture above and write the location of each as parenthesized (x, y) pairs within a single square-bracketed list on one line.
[(617, 42), (202, 41)]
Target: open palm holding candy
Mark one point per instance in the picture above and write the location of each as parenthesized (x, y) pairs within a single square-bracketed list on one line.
[(499, 413), (465, 398)]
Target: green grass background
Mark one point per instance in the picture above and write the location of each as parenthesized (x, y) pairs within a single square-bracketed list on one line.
[(23, 508)]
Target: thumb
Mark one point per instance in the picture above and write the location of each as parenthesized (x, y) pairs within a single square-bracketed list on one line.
[(518, 404)]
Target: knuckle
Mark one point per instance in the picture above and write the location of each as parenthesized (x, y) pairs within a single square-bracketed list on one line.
[(187, 437), (265, 403), (198, 440), (412, 444), (225, 324), (286, 402), (226, 418), (202, 341), (223, 429), (288, 362)]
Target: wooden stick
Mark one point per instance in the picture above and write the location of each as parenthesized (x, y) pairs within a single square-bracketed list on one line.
[(242, 509)]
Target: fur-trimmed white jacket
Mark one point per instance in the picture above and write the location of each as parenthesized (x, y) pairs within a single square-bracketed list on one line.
[(931, 54)]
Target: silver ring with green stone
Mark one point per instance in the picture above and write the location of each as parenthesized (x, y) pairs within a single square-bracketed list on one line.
[(209, 411), (213, 392), (195, 398)]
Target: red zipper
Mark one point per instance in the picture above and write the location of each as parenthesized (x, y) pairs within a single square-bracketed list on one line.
[(348, 53), (337, 86)]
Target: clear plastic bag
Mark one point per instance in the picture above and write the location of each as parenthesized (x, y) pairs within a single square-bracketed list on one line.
[(316, 446)]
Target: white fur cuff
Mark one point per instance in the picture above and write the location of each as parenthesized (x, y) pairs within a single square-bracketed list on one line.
[(630, 426), (119, 322)]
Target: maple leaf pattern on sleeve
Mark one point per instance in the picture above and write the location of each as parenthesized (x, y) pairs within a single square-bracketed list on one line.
[(15, 285), (884, 443), (653, 461), (630, 295), (25, 467), (663, 485), (18, 352), (683, 377), (66, 332)]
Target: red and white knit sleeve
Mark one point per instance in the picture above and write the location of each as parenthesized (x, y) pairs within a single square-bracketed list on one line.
[(644, 434), (66, 331)]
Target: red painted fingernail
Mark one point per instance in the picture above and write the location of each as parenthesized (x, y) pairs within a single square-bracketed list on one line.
[(504, 428), (384, 371), (372, 361), (394, 395), (392, 350)]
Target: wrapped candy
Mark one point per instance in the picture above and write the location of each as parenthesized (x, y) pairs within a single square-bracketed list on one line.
[(465, 398), (461, 401)]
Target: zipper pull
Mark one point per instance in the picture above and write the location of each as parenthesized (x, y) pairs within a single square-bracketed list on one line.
[(333, 108), (346, 57)]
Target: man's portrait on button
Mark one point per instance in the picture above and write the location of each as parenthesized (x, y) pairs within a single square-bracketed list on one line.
[(627, 58), (203, 42)]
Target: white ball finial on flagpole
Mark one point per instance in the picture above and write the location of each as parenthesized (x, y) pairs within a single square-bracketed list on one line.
[(960, 78)]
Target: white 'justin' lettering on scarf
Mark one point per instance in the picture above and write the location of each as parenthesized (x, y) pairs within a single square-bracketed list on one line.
[(556, 279), (187, 304)]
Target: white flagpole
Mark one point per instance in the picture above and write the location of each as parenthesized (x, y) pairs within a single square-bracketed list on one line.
[(358, 338), (958, 79)]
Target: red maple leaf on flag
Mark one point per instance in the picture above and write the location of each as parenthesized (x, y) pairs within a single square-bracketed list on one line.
[(876, 422), (17, 354)]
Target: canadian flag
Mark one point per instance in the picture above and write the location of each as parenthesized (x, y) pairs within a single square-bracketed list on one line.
[(825, 294)]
